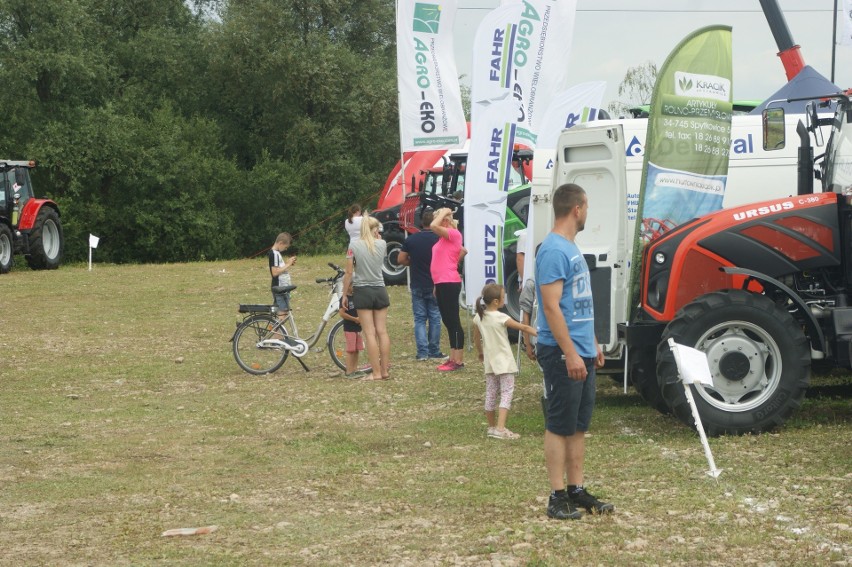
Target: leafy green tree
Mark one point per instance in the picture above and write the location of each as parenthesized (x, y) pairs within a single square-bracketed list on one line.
[(182, 130), (315, 84)]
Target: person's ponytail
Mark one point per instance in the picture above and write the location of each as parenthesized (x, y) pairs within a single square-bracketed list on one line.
[(480, 307)]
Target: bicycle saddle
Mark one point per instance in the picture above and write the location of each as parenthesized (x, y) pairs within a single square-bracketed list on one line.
[(283, 288)]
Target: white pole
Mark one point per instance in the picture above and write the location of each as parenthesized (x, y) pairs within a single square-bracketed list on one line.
[(399, 111), (714, 472), (90, 258), (688, 372)]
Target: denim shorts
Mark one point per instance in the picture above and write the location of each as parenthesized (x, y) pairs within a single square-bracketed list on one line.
[(568, 403), (282, 301), (371, 297)]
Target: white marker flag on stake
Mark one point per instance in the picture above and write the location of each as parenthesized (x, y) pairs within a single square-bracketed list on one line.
[(93, 243), (693, 368)]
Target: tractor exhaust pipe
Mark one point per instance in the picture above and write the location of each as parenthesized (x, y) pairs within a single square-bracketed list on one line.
[(806, 161), (789, 52)]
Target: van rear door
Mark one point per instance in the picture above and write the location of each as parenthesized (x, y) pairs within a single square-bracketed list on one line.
[(593, 157)]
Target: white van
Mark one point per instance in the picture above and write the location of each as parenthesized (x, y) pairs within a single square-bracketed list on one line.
[(754, 174), (585, 151)]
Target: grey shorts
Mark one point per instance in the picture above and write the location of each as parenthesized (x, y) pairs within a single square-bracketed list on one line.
[(282, 301), (568, 404), (371, 297)]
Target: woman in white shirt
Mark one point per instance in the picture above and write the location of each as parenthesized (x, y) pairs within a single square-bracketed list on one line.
[(352, 224)]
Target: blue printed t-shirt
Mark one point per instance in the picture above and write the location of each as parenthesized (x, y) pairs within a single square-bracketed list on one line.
[(560, 259), (418, 246)]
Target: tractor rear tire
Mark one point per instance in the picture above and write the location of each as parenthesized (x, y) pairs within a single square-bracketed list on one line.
[(46, 243), (759, 359), (643, 376), (392, 270), (7, 249)]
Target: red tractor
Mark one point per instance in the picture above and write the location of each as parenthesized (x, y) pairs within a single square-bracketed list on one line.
[(764, 290), (28, 226)]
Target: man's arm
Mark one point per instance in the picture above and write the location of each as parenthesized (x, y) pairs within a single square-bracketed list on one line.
[(278, 270), (550, 295), (403, 258)]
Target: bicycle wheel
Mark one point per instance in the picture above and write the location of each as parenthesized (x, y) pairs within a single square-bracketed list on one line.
[(337, 345), (252, 349)]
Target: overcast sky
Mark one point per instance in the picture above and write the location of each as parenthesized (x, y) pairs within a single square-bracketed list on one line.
[(614, 35)]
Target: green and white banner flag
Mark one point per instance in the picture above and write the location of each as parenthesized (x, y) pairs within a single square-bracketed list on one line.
[(527, 53), (688, 140), (430, 107), (689, 133)]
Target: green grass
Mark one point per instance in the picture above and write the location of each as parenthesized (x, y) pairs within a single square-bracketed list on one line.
[(124, 415)]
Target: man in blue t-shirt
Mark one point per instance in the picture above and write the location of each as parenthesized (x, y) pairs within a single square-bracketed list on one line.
[(416, 253), (568, 353)]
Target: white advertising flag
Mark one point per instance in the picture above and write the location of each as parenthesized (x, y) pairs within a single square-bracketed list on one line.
[(844, 34), (93, 241), (430, 108), (528, 50), (489, 163), (576, 105)]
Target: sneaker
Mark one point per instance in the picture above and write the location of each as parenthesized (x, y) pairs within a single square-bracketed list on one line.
[(561, 508), (503, 434), (582, 499), (439, 356), (422, 358), (490, 431), (450, 366)]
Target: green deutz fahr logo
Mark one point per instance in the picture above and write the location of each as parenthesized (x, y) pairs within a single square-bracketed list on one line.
[(685, 84), (426, 17)]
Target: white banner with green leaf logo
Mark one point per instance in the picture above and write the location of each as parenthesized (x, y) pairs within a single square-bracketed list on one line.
[(689, 133), (526, 52), (430, 107)]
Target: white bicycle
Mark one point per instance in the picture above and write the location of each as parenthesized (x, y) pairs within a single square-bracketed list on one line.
[(262, 342)]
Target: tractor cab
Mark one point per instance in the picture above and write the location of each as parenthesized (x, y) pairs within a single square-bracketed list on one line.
[(834, 167), (15, 189)]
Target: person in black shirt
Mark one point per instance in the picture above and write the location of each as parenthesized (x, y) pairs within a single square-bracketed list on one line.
[(416, 253), (352, 333)]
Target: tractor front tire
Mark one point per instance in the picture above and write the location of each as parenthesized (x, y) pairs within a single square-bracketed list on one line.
[(392, 270), (759, 360), (46, 245), (7, 249)]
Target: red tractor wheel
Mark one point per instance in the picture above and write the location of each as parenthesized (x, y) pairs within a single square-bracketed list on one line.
[(45, 241)]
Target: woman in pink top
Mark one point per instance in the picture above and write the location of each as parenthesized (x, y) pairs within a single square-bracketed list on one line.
[(446, 255)]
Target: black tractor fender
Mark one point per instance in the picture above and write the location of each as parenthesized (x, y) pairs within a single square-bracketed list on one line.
[(815, 334)]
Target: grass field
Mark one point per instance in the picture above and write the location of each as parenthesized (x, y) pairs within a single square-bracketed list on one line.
[(124, 415)]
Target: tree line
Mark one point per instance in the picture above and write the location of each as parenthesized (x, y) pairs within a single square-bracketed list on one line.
[(189, 130)]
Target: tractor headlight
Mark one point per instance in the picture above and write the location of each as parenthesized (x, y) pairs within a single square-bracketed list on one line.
[(660, 258)]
